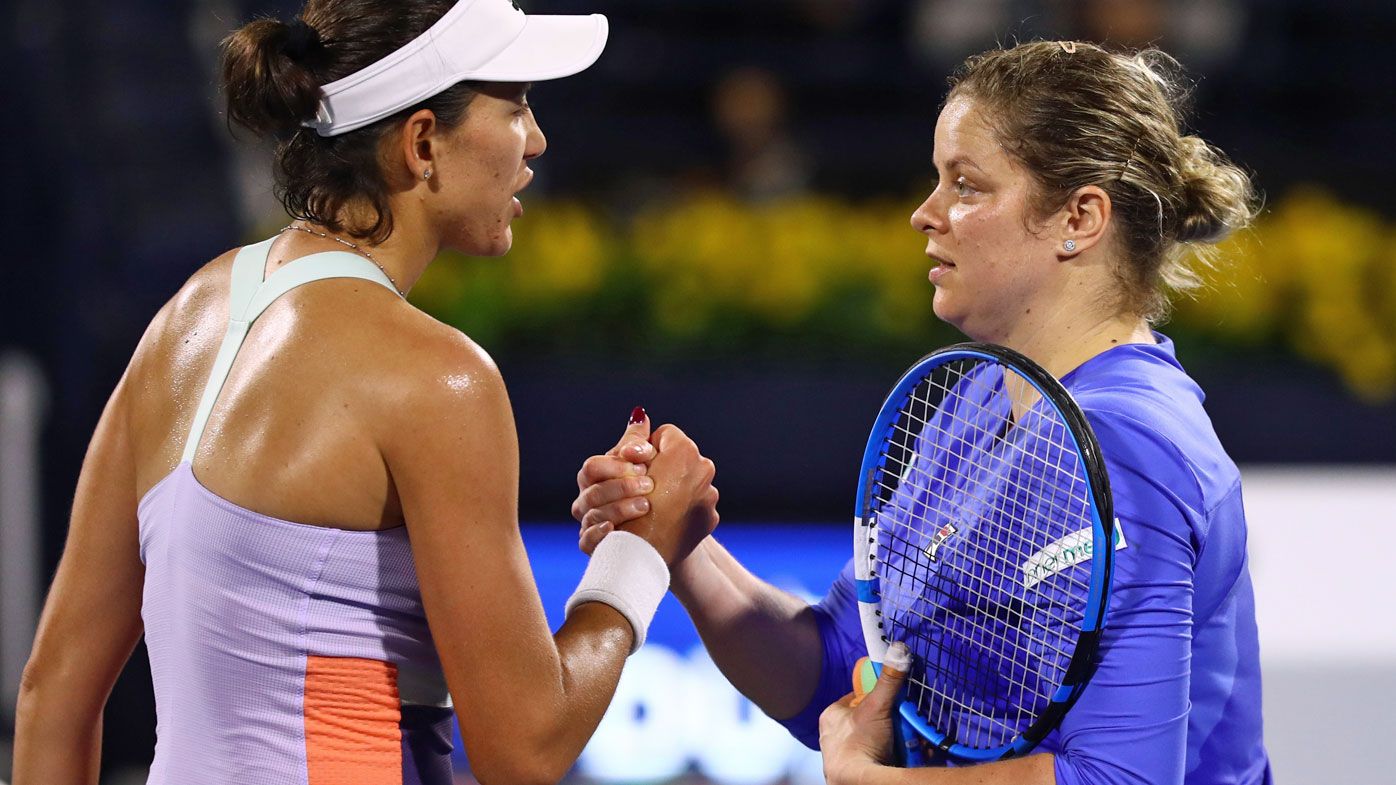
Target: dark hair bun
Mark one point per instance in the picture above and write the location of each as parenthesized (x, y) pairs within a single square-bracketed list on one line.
[(302, 42), (269, 87)]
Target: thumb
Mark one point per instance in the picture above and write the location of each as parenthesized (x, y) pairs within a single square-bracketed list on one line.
[(882, 699), (634, 444)]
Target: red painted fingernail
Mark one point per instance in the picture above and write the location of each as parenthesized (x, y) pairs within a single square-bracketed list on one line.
[(637, 415)]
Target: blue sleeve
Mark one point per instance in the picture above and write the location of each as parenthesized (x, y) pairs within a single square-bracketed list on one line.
[(841, 633), (1131, 722)]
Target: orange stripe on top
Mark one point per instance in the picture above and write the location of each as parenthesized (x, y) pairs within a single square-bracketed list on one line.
[(352, 716)]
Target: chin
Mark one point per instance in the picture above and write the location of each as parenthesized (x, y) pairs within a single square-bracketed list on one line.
[(497, 245), (503, 245), (944, 308), (498, 249), (955, 317)]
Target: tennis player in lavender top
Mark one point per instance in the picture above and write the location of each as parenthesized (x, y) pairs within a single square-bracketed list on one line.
[(1070, 205), (303, 491)]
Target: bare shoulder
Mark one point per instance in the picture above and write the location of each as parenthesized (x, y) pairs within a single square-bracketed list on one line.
[(442, 379), (175, 353), (447, 436), (206, 287), (199, 305), (444, 360)]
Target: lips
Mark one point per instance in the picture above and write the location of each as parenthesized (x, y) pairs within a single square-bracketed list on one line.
[(942, 269), (514, 202)]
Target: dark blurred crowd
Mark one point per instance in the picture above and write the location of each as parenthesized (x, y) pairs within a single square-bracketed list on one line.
[(122, 175), (126, 170)]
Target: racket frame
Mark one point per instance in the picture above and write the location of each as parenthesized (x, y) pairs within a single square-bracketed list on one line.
[(866, 582)]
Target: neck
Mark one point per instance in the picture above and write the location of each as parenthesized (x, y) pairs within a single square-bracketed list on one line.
[(404, 256), (1066, 331), (1073, 319), (1063, 345)]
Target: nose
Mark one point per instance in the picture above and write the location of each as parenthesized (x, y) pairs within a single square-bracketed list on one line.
[(928, 218), (536, 143)]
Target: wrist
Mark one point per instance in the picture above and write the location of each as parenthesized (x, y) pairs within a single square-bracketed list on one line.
[(687, 574), (856, 773), (870, 774), (628, 574)]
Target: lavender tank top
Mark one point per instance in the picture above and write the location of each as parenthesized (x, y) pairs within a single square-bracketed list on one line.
[(283, 652)]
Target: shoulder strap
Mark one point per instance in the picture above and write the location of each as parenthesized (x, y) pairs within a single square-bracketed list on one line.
[(316, 267), (250, 295)]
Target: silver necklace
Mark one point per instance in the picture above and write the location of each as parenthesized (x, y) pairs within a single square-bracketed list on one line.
[(360, 251)]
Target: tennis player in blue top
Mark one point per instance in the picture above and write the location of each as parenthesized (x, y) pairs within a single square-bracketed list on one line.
[(1070, 205)]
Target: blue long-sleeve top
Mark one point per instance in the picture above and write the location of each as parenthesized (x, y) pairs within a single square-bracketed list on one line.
[(1176, 697)]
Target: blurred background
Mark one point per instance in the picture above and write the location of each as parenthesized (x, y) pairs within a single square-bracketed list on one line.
[(719, 232)]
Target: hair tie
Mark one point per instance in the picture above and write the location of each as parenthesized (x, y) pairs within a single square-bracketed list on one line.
[(301, 38), (1068, 46)]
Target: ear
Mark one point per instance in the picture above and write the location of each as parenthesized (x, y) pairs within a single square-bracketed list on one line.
[(1084, 220), (417, 145)]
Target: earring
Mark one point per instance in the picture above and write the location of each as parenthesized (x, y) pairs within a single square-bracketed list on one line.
[(1069, 245), (427, 174)]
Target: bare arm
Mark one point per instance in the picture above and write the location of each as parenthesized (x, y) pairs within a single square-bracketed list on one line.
[(767, 643), (530, 700), (91, 619), (1032, 770), (764, 640)]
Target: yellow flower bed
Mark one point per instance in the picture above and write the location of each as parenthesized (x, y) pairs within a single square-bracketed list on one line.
[(1315, 275)]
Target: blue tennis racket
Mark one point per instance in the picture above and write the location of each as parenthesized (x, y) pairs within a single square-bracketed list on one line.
[(984, 540)]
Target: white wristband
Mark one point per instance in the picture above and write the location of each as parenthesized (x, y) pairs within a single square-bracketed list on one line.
[(628, 574)]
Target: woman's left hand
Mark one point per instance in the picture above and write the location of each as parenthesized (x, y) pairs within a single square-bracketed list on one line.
[(857, 738)]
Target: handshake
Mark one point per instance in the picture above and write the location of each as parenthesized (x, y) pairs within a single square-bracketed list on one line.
[(654, 485)]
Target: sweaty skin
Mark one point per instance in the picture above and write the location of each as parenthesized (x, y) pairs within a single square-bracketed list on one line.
[(349, 408)]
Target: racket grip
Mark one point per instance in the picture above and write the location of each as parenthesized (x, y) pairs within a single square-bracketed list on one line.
[(907, 744), (910, 746)]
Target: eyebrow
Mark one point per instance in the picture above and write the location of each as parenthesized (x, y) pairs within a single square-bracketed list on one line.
[(962, 161)]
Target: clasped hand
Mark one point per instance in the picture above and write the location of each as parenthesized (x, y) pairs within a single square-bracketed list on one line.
[(656, 485)]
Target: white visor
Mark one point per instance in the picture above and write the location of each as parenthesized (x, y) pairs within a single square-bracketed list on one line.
[(477, 40)]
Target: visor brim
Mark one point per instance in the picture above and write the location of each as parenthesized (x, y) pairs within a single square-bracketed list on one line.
[(550, 47)]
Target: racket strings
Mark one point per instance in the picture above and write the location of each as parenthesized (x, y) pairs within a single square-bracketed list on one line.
[(967, 667), (999, 511), (993, 647), (965, 680), (972, 672), (996, 556), (1072, 505), (907, 542), (1000, 554), (952, 677), (921, 423)]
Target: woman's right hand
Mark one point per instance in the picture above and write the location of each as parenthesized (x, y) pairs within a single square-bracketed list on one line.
[(657, 486)]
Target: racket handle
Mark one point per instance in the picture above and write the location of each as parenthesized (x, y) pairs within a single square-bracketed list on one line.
[(906, 742), (910, 746)]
